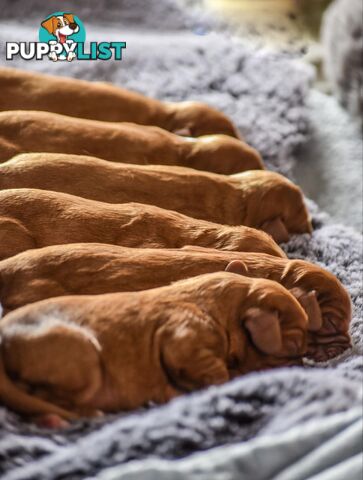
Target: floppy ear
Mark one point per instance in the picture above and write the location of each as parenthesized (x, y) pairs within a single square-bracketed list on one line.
[(309, 302), (49, 24), (277, 229), (264, 328), (69, 17), (237, 266)]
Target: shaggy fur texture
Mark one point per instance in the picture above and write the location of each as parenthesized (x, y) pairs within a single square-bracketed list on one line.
[(264, 200)]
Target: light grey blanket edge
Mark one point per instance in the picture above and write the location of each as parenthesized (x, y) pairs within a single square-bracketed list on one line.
[(297, 454)]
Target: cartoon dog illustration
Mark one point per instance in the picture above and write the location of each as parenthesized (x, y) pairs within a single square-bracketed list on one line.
[(61, 27)]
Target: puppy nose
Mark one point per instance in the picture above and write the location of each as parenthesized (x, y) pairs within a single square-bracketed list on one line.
[(73, 26)]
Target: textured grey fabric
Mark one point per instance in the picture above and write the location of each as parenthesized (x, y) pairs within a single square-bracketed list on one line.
[(342, 37), (264, 93), (297, 454), (166, 14), (330, 166)]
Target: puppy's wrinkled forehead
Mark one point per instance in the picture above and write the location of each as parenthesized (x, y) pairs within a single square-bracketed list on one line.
[(62, 21)]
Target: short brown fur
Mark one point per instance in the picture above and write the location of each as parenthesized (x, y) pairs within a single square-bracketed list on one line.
[(121, 351)]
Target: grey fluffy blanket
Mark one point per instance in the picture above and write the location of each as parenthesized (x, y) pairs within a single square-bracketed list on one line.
[(328, 449), (265, 95)]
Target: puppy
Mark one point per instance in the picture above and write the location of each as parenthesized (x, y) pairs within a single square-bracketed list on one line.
[(38, 218), (92, 269), (257, 199), (102, 101), (31, 131), (76, 355)]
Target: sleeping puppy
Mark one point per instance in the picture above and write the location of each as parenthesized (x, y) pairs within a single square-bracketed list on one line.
[(103, 101), (258, 199), (73, 356), (92, 269), (320, 293), (31, 131), (38, 218)]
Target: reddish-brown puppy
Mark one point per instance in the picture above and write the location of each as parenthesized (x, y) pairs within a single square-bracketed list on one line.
[(120, 351), (33, 131), (91, 269), (103, 101), (258, 199), (320, 293), (38, 218)]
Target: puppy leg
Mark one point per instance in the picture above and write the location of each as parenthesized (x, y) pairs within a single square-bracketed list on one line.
[(193, 351), (14, 238), (56, 361)]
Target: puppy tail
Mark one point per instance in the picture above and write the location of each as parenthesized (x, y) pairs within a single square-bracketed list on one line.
[(22, 402)]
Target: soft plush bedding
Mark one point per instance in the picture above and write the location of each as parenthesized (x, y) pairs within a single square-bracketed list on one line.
[(330, 446), (265, 94)]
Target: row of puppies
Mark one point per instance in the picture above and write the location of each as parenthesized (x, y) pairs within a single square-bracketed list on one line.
[(44, 123), (108, 351), (258, 199), (35, 131), (189, 348), (23, 90)]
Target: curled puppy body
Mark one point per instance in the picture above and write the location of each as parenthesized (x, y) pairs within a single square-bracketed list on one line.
[(105, 102), (120, 351), (258, 199), (37, 218), (32, 131), (92, 269)]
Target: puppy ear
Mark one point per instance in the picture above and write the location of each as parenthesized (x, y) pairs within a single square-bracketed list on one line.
[(49, 24), (310, 304), (238, 267), (264, 328), (69, 17), (277, 229)]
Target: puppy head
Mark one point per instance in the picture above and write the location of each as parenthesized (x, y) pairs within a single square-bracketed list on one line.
[(273, 204), (325, 301), (253, 240), (195, 119), (223, 154), (268, 330), (328, 305)]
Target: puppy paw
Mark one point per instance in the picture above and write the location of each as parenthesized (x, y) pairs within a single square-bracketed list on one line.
[(51, 421)]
